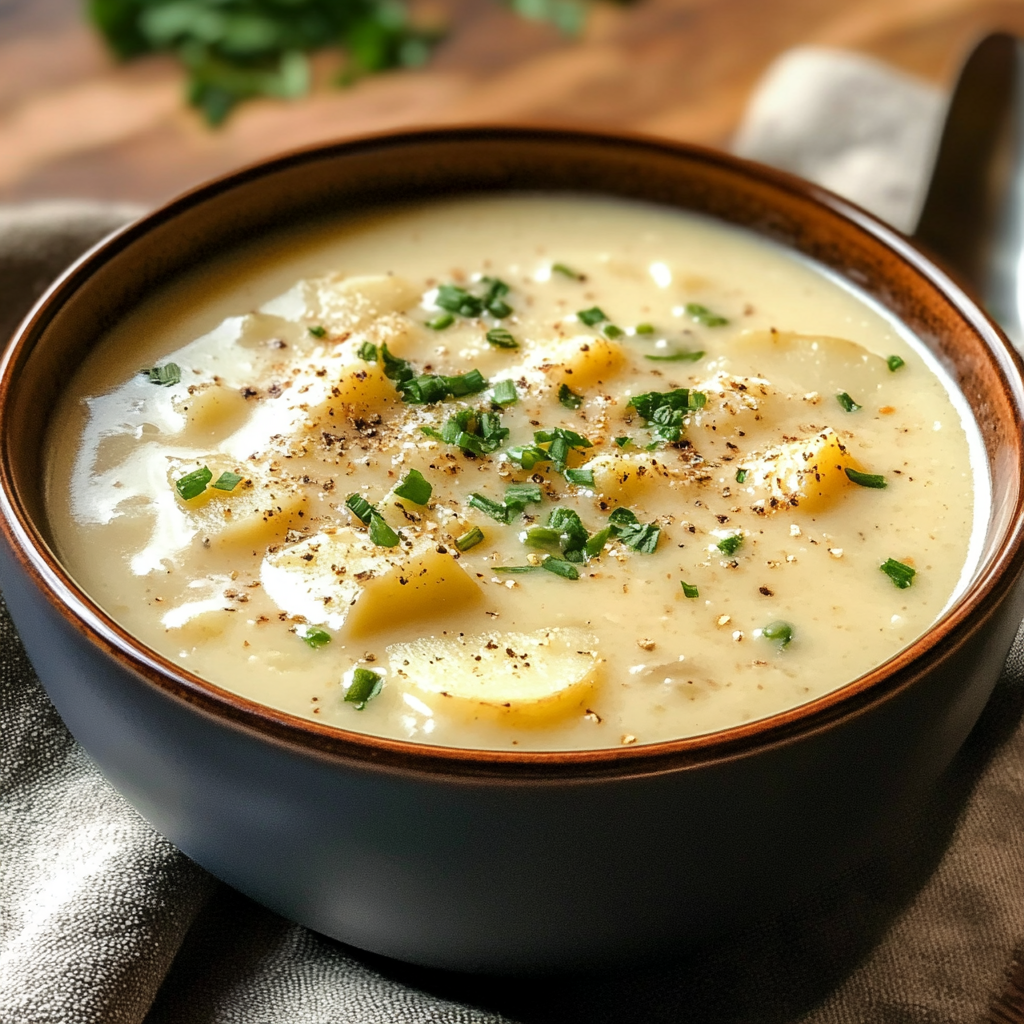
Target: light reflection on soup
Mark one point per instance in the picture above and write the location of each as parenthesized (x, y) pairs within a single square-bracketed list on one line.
[(516, 472)]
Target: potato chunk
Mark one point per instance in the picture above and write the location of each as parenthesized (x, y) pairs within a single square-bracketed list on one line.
[(543, 673), (807, 473), (581, 362), (211, 412), (626, 478)]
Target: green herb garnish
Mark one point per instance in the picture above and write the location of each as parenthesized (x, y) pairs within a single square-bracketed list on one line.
[(368, 352), (318, 331), (360, 508), (623, 441), (441, 321), (689, 590), (541, 537), (365, 685), (561, 268), (520, 495), (678, 357), (433, 387), (470, 539), (398, 370), (191, 485), (702, 315), (504, 392), (227, 481), (591, 317), (380, 533), (612, 332), (634, 534), (515, 570), (493, 299), (866, 479), (901, 575), (316, 637), (414, 487), (895, 362), (781, 632), (595, 545), (457, 300), (560, 567), (584, 477), (847, 402), (569, 398), (731, 544), (477, 433), (664, 411), (741, 476), (496, 510), (166, 375), (644, 328), (501, 338)]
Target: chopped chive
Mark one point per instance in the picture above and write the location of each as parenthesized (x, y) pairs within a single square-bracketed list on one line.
[(360, 507), (866, 479), (527, 455), (521, 495), (623, 517), (166, 375), (454, 299), (560, 567), (612, 332), (689, 590), (430, 387), (365, 685), (591, 317), (541, 536), (580, 476), (499, 309), (470, 539), (781, 632), (227, 481), (642, 537), (847, 402), (501, 338), (702, 315), (398, 370), (380, 533), (901, 575), (441, 321), (569, 398), (191, 485), (318, 331), (504, 392), (741, 476), (493, 299), (414, 487), (678, 357), (730, 545), (623, 441), (316, 637), (664, 411), (644, 328), (497, 511), (595, 544), (368, 352), (515, 570), (561, 268), (895, 362)]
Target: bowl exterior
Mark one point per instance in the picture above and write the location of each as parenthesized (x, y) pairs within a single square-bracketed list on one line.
[(468, 860)]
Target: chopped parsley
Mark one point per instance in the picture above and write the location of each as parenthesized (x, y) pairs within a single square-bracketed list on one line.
[(499, 337), (415, 487), (642, 537), (847, 402), (441, 322), (731, 544), (591, 317), (560, 442), (476, 433), (689, 590), (365, 685), (368, 352), (741, 476), (227, 481), (584, 477), (611, 331), (664, 411), (504, 392), (360, 508), (595, 545), (573, 535), (560, 567), (315, 637), (569, 398), (561, 268), (686, 356), (470, 539), (191, 485), (317, 331), (901, 575), (166, 375), (623, 441), (779, 631), (380, 533), (703, 316), (866, 479), (895, 362)]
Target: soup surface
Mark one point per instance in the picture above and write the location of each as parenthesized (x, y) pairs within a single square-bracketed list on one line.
[(516, 472)]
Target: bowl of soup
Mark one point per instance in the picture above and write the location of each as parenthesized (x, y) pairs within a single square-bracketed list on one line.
[(514, 549)]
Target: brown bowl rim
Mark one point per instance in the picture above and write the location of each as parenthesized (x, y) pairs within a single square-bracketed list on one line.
[(962, 619)]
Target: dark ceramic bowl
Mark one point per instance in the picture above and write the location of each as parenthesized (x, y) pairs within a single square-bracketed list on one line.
[(489, 860)]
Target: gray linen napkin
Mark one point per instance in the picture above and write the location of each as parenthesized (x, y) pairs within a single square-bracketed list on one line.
[(103, 922)]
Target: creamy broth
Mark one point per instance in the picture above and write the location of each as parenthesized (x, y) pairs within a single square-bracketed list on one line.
[(785, 442)]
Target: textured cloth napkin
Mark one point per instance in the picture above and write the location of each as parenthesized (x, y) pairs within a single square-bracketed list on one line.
[(104, 922)]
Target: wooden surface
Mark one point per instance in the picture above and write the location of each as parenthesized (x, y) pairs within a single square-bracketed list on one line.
[(72, 123)]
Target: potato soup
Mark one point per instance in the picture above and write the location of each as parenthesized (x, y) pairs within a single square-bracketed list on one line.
[(517, 472)]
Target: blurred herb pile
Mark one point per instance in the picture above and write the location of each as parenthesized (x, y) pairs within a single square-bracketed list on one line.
[(234, 50)]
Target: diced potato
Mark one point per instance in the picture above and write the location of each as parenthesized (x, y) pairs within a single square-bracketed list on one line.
[(344, 304), (813, 363), (581, 362), (211, 412), (627, 477), (360, 389), (543, 673), (344, 580), (806, 474)]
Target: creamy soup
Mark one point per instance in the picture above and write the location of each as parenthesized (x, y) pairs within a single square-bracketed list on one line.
[(516, 472)]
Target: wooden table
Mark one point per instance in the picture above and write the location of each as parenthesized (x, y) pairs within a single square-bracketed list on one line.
[(73, 123)]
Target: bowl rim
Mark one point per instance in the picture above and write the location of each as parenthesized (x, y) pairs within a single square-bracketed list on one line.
[(964, 617)]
